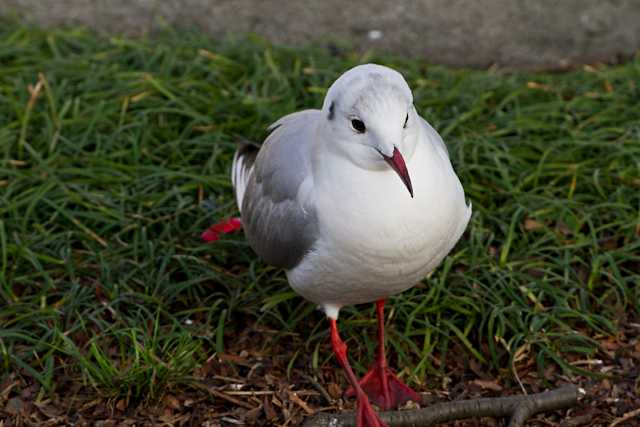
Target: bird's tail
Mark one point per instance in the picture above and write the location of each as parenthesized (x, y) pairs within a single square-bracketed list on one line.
[(241, 168)]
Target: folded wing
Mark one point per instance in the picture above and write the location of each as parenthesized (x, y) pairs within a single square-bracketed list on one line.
[(278, 216)]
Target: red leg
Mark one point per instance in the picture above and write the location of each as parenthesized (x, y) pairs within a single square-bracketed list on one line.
[(223, 227), (380, 383), (365, 415)]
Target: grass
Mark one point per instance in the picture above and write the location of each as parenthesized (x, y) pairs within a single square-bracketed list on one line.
[(114, 156)]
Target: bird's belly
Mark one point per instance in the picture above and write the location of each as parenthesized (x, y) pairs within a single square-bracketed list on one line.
[(343, 277), (383, 242)]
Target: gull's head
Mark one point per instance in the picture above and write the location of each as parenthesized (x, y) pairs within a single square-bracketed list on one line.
[(370, 115)]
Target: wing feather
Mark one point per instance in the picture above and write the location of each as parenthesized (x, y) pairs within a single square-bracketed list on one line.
[(279, 220)]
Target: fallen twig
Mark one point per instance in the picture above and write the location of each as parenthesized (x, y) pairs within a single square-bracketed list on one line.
[(625, 417), (301, 403), (519, 408), (228, 398), (318, 387)]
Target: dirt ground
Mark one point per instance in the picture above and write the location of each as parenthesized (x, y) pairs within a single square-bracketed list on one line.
[(247, 386)]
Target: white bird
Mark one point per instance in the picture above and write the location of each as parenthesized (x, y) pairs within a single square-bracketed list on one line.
[(357, 202)]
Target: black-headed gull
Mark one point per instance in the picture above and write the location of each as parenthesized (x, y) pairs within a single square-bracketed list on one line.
[(357, 201)]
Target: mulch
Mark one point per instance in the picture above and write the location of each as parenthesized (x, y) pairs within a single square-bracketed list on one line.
[(251, 386)]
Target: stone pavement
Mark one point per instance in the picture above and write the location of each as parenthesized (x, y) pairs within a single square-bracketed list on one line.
[(532, 34)]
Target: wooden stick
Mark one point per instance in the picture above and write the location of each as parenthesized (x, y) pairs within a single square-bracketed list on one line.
[(518, 408)]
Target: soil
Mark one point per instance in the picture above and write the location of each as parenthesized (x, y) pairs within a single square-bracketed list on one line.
[(248, 385)]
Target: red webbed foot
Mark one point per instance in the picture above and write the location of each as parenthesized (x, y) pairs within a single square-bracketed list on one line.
[(385, 389), (381, 385)]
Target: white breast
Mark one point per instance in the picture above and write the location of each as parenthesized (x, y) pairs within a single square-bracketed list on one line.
[(375, 240)]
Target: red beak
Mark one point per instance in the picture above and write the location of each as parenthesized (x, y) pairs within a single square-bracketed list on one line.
[(396, 161)]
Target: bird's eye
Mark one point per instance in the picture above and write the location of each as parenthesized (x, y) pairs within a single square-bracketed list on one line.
[(405, 121), (358, 125)]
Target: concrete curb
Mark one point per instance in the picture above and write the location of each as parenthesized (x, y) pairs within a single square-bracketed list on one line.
[(542, 34)]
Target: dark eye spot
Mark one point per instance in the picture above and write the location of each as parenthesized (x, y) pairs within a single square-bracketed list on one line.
[(358, 125), (405, 121)]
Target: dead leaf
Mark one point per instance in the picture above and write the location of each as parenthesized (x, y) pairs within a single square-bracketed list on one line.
[(16, 406), (334, 390), (608, 87), (531, 224), (205, 128), (539, 86), (488, 384), (251, 416), (172, 402), (269, 412), (121, 405)]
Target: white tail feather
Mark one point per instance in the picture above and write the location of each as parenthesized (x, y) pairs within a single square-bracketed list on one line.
[(240, 175)]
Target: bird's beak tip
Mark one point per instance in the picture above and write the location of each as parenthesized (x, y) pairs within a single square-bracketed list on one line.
[(396, 161)]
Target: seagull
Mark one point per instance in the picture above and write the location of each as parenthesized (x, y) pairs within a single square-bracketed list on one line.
[(357, 202)]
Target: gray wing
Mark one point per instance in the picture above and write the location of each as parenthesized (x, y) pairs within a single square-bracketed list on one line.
[(279, 226), (434, 136)]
